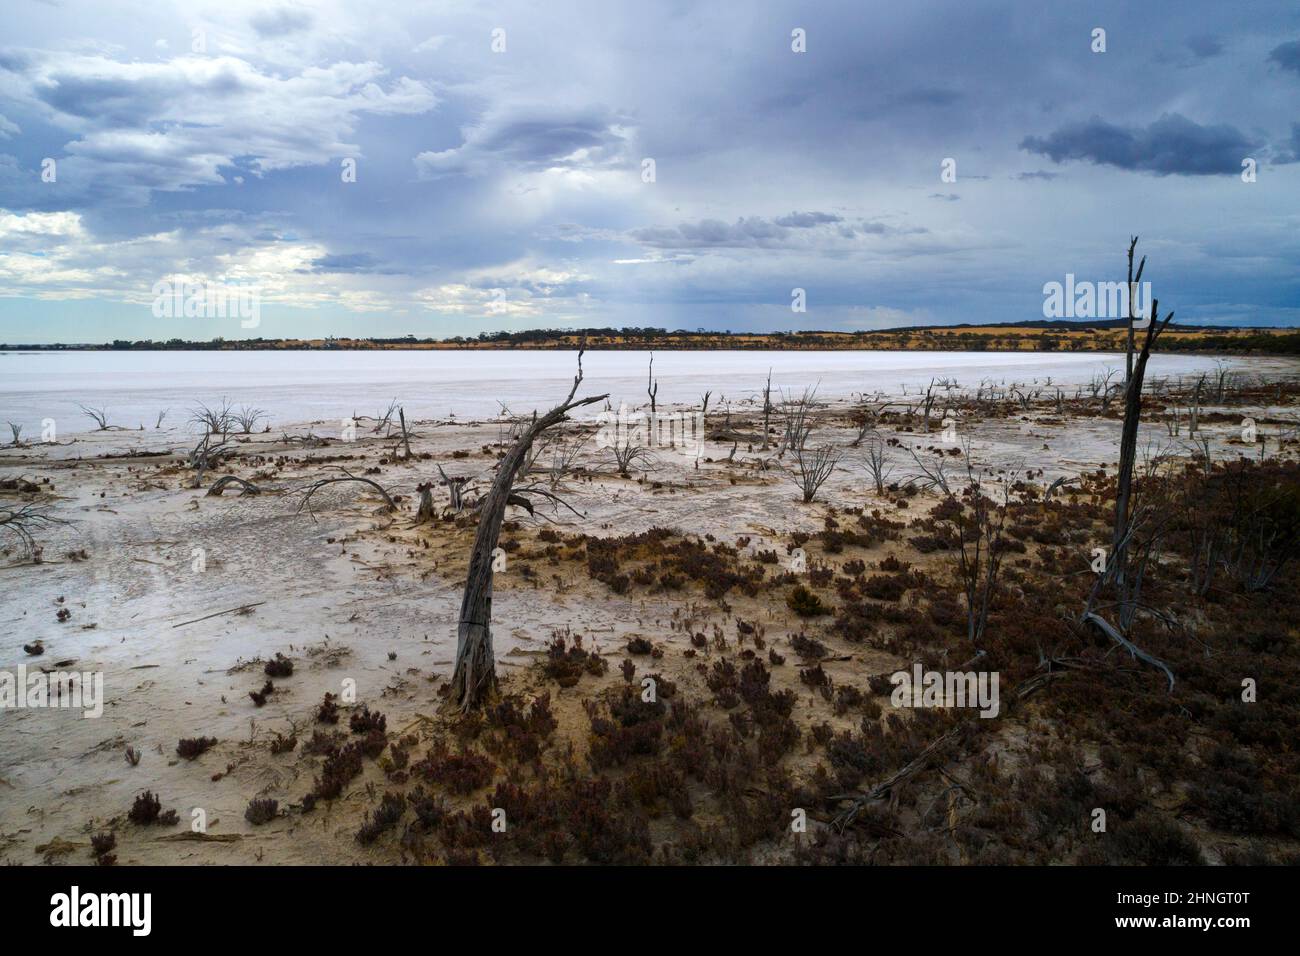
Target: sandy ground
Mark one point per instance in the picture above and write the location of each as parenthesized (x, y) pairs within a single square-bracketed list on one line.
[(351, 594)]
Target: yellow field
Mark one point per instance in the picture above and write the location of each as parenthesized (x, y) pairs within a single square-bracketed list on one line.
[(971, 338)]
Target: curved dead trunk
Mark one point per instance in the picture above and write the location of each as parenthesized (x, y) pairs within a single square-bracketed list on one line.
[(475, 674)]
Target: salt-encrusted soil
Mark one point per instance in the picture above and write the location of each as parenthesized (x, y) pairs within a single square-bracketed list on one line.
[(350, 592)]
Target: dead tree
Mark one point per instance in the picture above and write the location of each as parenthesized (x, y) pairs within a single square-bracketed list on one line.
[(867, 416), (1126, 562), (386, 419), (977, 526), (214, 421), (564, 458), (629, 453), (1195, 406), (651, 386), (1108, 388), (797, 413), (1222, 374), (18, 433), (876, 463), (1133, 283), (1058, 484), (812, 468), (247, 418), (475, 674), (246, 487), (980, 552), (888, 788), (933, 476), (767, 408), (406, 435), (318, 484), (20, 521), (100, 416), (455, 490), (927, 405), (424, 514), (206, 456)]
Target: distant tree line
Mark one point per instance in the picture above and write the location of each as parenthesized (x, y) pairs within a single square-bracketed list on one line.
[(1051, 338)]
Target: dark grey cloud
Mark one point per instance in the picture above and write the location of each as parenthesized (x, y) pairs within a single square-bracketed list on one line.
[(810, 231), (925, 96), (533, 138), (523, 171), (281, 22), (806, 220), (1287, 56), (15, 61), (1172, 145), (743, 233), (130, 101), (1290, 153), (357, 262), (1204, 46)]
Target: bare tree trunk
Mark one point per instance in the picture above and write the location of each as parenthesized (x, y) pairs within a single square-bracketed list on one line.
[(1128, 355), (406, 436), (767, 408), (475, 675), (455, 490), (425, 512), (1132, 419), (651, 386), (1125, 580)]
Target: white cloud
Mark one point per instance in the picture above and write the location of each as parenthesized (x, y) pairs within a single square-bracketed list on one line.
[(192, 120), (432, 44)]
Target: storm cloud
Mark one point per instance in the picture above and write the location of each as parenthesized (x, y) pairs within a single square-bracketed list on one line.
[(532, 139), (1172, 145), (453, 169), (1287, 56)]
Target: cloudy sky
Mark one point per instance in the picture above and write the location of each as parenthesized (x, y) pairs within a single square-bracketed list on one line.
[(502, 152)]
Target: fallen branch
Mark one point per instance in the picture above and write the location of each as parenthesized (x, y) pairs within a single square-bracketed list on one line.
[(21, 520), (519, 497), (320, 483), (246, 487), (232, 610), (886, 787), (1058, 483), (1110, 631)]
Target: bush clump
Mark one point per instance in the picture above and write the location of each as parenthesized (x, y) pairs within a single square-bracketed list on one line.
[(805, 603)]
